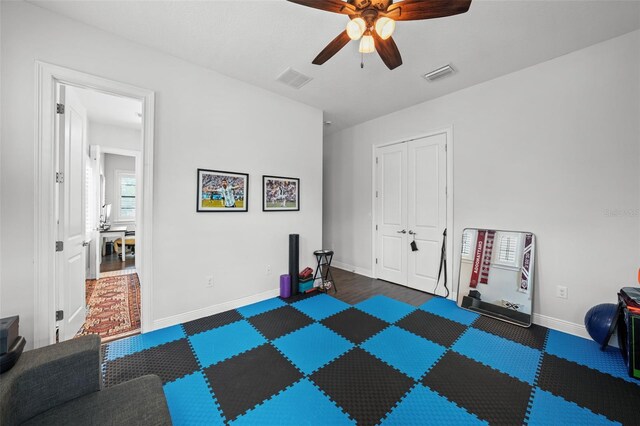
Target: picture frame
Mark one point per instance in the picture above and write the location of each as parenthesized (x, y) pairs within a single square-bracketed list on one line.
[(280, 194), (222, 191)]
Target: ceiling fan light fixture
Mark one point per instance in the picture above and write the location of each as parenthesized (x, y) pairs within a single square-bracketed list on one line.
[(366, 44), (355, 28), (385, 27)]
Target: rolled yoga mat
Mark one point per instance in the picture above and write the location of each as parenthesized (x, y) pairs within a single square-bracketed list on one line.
[(285, 286), (294, 261)]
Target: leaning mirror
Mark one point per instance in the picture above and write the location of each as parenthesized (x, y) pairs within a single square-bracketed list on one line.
[(496, 274)]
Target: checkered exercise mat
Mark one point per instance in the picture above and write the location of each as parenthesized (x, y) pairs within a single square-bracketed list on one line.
[(317, 360)]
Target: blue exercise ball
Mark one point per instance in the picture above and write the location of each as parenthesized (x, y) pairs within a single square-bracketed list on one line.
[(600, 322)]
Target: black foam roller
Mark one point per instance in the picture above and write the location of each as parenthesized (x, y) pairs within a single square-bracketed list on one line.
[(294, 261)]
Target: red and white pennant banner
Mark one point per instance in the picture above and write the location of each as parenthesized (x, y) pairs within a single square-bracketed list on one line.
[(526, 264)]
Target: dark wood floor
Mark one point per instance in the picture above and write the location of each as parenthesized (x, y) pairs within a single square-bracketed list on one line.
[(354, 288), (113, 263)]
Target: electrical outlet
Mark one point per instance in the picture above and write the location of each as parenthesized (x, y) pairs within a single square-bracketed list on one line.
[(268, 269), (562, 292), (209, 281)]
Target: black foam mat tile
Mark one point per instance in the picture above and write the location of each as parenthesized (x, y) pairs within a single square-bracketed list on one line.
[(244, 381), (278, 322), (483, 391), (300, 296), (355, 325), (433, 327), (365, 387), (169, 361), (210, 322), (533, 336), (601, 393)]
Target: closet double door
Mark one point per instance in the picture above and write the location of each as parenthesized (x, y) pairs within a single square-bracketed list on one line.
[(411, 194)]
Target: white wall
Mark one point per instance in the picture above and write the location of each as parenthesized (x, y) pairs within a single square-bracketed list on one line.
[(203, 119), (553, 149), (110, 136)]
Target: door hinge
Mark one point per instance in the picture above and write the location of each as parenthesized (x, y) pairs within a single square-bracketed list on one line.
[(376, 194), (376, 260), (59, 177), (445, 147), (376, 160), (59, 315), (59, 246), (376, 227), (59, 108)]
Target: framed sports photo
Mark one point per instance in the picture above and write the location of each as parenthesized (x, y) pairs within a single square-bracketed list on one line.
[(280, 194), (220, 191)]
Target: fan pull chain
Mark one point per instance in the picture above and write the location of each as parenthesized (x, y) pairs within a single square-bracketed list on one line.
[(361, 60)]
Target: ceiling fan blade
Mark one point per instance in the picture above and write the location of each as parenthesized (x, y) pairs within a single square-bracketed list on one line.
[(413, 10), (336, 6), (388, 51), (332, 48)]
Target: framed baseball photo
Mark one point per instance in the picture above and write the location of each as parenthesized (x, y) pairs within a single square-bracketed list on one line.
[(220, 191), (280, 194)]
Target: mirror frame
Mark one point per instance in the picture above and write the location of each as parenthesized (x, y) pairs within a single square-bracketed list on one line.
[(531, 281)]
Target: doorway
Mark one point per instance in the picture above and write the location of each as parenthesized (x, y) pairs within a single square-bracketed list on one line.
[(412, 209), (70, 111), (99, 142)]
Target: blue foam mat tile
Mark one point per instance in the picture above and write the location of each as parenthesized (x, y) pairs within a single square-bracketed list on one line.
[(504, 355), (260, 307), (404, 351), (587, 352), (312, 347), (321, 306), (191, 403), (300, 404), (423, 406), (385, 308), (220, 343), (140, 342), (547, 408), (448, 309)]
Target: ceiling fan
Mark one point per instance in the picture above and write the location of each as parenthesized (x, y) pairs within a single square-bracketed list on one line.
[(373, 22)]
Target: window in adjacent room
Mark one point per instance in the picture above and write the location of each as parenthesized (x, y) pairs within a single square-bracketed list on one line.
[(126, 196)]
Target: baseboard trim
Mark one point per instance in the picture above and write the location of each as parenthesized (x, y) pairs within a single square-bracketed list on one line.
[(561, 325), (346, 267), (214, 309)]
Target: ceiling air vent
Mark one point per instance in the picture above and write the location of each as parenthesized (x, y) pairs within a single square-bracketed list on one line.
[(293, 78), (439, 73)]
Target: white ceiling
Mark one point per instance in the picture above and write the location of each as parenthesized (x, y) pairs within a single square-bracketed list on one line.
[(254, 41), (110, 109)]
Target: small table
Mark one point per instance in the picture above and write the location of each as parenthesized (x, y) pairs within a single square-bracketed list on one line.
[(115, 231), (324, 257)]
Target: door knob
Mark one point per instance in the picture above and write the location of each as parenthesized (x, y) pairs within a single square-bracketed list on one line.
[(402, 232), (412, 233), (85, 243)]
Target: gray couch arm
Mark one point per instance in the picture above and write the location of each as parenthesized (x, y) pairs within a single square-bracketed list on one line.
[(47, 377)]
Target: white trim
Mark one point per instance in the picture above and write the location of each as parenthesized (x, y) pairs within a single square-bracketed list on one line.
[(214, 309), (350, 268), (47, 76), (561, 325), (451, 254)]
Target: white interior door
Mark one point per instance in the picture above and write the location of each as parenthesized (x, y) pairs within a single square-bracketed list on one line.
[(411, 181), (391, 258), (426, 209), (71, 220)]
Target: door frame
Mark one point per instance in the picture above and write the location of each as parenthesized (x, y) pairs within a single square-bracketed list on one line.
[(47, 76), (451, 255)]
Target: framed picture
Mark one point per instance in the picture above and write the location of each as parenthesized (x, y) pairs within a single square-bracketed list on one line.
[(280, 194), (220, 191)]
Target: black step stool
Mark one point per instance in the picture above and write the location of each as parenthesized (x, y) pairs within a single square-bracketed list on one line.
[(324, 257)]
